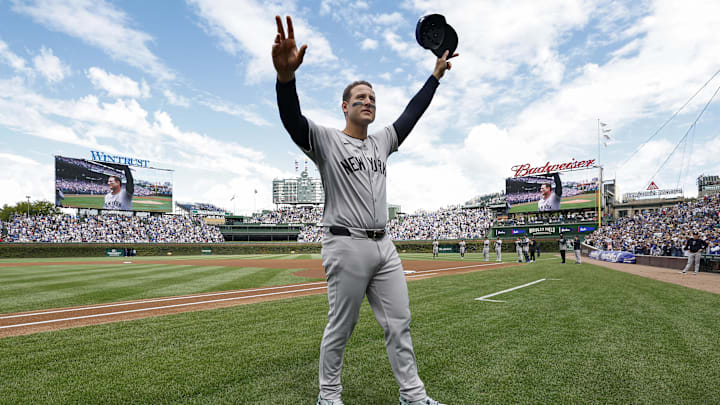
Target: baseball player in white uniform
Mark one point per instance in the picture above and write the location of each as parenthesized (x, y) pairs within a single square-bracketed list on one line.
[(550, 200), (436, 248), (486, 249), (498, 250), (518, 249), (462, 248), (119, 197), (359, 259)]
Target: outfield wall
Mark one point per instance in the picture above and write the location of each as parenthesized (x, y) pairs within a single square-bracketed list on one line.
[(24, 250)]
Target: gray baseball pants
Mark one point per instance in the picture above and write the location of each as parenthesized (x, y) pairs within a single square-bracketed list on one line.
[(356, 267), (577, 256), (486, 253), (693, 258), (498, 254)]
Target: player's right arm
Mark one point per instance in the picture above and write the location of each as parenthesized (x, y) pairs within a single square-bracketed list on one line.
[(558, 184), (129, 182), (286, 60)]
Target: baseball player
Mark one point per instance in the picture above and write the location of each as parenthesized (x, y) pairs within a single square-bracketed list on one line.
[(696, 247), (576, 249), (462, 248), (533, 245), (119, 198), (359, 259), (562, 245), (486, 249), (550, 201), (498, 250), (518, 249), (526, 248), (436, 248)]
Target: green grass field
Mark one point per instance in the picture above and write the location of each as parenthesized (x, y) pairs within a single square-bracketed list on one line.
[(588, 200), (593, 336), (153, 203)]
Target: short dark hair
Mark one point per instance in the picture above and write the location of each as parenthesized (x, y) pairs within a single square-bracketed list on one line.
[(117, 179), (549, 185), (346, 92)]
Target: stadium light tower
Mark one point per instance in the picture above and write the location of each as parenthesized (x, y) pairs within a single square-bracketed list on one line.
[(28, 198)]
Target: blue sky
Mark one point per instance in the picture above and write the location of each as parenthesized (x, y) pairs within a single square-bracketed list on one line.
[(190, 86)]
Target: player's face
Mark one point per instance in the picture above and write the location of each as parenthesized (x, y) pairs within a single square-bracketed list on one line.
[(113, 184), (361, 107), (545, 190)]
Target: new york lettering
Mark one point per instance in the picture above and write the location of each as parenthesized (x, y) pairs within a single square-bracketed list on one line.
[(354, 163)]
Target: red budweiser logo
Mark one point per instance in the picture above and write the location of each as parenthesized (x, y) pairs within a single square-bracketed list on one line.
[(526, 170)]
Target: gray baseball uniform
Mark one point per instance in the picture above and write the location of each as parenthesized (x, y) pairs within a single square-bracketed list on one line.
[(354, 174), (120, 201), (498, 250), (486, 249), (436, 248), (462, 248)]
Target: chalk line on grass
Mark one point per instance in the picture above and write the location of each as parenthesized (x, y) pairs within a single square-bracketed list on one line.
[(485, 297)]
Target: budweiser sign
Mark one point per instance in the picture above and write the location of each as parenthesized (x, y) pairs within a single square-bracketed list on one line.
[(526, 170)]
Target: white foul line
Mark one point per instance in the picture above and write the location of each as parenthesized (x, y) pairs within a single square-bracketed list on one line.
[(154, 308), (484, 298)]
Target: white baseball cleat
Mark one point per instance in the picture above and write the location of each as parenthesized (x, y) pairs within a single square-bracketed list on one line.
[(426, 401), (322, 401)]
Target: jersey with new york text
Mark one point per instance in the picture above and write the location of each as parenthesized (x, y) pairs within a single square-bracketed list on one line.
[(120, 201), (353, 173)]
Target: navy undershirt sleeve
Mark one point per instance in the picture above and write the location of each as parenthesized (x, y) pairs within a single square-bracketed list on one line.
[(415, 109), (558, 185), (290, 115)]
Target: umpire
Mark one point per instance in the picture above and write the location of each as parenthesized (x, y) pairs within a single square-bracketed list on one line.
[(696, 246)]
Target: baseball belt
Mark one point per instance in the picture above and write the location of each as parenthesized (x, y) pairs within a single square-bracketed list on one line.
[(370, 234)]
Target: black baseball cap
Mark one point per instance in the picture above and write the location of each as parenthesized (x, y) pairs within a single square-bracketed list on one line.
[(434, 33)]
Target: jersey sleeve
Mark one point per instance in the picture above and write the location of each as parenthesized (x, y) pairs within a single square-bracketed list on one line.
[(318, 138), (387, 140)]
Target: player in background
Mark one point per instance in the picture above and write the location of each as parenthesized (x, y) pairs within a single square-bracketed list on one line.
[(526, 249), (436, 248), (486, 249), (119, 197), (550, 200), (462, 248), (498, 250), (562, 245), (518, 249), (533, 245), (576, 248), (695, 247)]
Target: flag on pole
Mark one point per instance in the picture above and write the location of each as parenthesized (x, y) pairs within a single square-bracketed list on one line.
[(233, 197), (602, 124)]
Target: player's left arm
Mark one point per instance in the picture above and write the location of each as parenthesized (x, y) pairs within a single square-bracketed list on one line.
[(420, 102), (558, 185), (129, 182)]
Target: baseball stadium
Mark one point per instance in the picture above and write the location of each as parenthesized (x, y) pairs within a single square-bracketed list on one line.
[(499, 283)]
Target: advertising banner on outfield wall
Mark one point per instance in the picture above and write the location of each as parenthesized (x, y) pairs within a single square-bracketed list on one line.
[(542, 230), (613, 256), (81, 183)]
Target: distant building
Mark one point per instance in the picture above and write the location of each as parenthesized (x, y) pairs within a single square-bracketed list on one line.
[(298, 191), (708, 185)]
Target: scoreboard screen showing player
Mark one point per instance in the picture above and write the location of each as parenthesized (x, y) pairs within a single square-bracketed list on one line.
[(539, 193), (81, 183)]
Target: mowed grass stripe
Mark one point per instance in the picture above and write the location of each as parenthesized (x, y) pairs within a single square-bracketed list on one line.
[(117, 288), (130, 283), (84, 271), (595, 336)]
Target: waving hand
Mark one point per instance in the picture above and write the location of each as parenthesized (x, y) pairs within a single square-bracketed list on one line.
[(286, 56)]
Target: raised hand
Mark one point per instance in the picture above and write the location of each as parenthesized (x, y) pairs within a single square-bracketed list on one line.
[(286, 56), (442, 65)]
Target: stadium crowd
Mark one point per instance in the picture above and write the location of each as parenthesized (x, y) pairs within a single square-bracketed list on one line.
[(445, 223), (663, 232), (110, 229)]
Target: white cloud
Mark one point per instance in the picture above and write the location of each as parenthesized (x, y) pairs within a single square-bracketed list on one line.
[(369, 43), (249, 26), (176, 99), (10, 58), (14, 181), (244, 112), (117, 85), (50, 66), (100, 24), (393, 19)]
